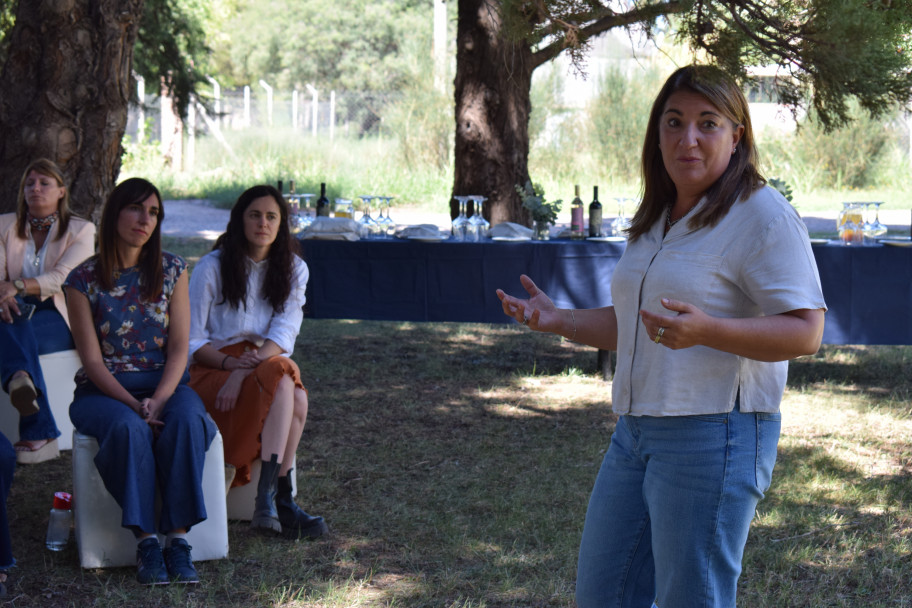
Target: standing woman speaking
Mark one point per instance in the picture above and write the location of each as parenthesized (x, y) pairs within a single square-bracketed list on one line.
[(716, 290), (39, 245), (247, 299)]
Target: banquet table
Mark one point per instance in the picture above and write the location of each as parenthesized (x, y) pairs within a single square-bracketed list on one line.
[(868, 290)]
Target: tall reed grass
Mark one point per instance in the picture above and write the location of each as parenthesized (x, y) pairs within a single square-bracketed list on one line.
[(409, 155)]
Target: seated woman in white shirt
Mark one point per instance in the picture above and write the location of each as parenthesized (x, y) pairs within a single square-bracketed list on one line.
[(246, 300)]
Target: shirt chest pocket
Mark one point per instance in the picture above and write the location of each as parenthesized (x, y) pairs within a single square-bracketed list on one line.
[(683, 275)]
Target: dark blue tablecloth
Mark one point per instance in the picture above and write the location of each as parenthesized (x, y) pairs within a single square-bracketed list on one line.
[(868, 289)]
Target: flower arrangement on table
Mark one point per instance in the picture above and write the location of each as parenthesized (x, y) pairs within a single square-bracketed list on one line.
[(533, 199)]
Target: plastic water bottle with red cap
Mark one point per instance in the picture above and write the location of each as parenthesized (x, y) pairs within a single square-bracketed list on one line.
[(60, 521)]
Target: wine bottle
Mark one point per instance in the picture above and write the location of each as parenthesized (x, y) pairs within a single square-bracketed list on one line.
[(323, 202), (577, 229), (281, 188), (595, 214)]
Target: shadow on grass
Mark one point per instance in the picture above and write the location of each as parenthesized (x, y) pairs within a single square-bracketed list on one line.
[(453, 463), (446, 474), (829, 533)]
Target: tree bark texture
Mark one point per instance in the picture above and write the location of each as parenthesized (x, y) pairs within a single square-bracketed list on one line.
[(64, 92), (493, 83)]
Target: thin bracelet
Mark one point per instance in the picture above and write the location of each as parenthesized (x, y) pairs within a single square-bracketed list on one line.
[(572, 316), (223, 361)]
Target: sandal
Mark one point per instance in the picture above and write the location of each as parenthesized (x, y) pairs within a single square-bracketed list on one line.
[(23, 395), (28, 453), (4, 578)]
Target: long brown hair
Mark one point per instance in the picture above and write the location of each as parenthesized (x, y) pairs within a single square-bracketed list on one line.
[(128, 192), (47, 168), (233, 258), (740, 178)]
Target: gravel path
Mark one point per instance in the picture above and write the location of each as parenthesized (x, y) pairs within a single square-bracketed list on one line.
[(197, 218)]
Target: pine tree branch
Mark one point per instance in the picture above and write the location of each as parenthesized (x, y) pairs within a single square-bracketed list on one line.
[(572, 36)]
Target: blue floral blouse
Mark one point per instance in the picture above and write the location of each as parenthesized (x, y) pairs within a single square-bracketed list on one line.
[(132, 333)]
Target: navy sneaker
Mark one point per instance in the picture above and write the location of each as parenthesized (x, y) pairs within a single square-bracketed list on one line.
[(180, 566), (150, 567)]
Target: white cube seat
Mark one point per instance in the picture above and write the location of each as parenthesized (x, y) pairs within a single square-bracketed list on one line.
[(101, 540), (58, 370)]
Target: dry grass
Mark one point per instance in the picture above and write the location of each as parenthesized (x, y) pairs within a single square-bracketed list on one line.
[(453, 463)]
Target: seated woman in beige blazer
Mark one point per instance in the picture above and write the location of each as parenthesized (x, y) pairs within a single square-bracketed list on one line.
[(39, 244)]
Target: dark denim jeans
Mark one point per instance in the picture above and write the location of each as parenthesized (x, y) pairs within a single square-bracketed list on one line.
[(132, 462), (23, 343)]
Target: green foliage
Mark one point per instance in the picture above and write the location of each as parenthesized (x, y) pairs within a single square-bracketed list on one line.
[(836, 52), (7, 20), (533, 199), (782, 186), (346, 45), (813, 157), (349, 166), (619, 114), (422, 117), (545, 100), (171, 45)]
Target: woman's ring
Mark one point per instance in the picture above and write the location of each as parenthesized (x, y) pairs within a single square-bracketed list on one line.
[(659, 334)]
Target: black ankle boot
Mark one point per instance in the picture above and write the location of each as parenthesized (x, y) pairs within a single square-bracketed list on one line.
[(265, 516), (296, 523)]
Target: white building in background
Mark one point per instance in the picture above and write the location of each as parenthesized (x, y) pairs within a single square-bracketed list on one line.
[(633, 53), (766, 111)]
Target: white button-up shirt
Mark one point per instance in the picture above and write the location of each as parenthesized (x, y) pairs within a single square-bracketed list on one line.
[(756, 261), (215, 322)]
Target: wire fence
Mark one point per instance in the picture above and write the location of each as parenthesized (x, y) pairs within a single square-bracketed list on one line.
[(347, 114)]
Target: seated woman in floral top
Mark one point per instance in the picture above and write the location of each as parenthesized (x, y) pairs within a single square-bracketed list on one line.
[(130, 312)]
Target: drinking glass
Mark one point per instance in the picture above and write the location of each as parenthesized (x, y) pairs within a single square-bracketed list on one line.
[(460, 223), (368, 227), (872, 225), (478, 225), (387, 225), (850, 225), (620, 223), (306, 217), (344, 208), (296, 223)]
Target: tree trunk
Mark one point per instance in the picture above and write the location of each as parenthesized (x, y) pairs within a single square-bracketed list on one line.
[(493, 81), (64, 92)]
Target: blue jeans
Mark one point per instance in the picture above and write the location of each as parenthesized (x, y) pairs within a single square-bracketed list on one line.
[(23, 342), (132, 463), (7, 466), (671, 507)]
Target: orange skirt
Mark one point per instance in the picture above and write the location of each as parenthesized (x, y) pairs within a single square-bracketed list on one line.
[(241, 427)]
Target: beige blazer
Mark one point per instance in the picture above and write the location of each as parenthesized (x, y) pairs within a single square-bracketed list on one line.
[(60, 258)]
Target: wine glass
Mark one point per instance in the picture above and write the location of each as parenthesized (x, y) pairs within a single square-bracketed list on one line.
[(460, 223), (873, 227), (620, 224), (306, 216), (368, 226), (296, 223), (387, 225), (478, 224)]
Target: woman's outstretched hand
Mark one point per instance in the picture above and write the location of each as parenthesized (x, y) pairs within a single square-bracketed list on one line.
[(538, 312)]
